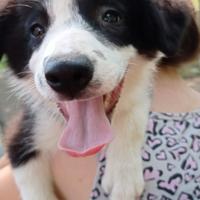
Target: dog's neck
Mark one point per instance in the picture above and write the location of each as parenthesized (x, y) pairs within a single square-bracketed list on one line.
[(172, 93)]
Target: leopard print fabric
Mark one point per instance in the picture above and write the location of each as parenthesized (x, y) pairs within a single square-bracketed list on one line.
[(171, 159)]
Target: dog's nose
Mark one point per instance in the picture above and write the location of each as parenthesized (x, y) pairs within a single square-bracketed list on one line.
[(69, 77)]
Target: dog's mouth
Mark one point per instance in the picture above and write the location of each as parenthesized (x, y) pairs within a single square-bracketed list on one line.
[(88, 128)]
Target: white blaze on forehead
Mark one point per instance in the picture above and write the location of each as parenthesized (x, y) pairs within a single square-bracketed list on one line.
[(60, 10)]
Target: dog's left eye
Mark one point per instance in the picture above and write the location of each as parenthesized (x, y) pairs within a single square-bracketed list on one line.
[(37, 30)]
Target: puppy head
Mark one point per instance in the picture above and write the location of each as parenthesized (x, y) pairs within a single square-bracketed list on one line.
[(79, 49)]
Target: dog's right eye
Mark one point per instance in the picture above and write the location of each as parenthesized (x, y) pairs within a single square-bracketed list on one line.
[(37, 30), (112, 17)]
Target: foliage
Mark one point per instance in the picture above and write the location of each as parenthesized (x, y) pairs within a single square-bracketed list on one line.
[(191, 71), (3, 63)]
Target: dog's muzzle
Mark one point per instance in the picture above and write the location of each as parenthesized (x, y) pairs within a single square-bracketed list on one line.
[(87, 128)]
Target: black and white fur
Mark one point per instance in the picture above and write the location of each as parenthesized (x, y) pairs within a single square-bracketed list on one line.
[(112, 35)]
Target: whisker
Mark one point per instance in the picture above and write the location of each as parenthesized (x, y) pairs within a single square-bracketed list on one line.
[(18, 5), (24, 73)]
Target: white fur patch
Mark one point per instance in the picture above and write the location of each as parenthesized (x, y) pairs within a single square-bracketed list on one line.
[(123, 177), (34, 180)]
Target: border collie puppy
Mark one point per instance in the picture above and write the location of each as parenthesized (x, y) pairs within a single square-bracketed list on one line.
[(76, 64)]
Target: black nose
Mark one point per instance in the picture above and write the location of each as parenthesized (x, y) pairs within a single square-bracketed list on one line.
[(69, 77)]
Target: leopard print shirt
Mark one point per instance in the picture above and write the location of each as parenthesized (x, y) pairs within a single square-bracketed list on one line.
[(171, 159)]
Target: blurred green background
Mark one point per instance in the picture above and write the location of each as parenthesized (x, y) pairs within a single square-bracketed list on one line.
[(3, 64)]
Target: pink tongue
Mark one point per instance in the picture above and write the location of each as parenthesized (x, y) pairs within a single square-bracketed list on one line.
[(88, 129)]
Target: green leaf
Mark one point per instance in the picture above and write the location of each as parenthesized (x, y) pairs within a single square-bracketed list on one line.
[(3, 63)]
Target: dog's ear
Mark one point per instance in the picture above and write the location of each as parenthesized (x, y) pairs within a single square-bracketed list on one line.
[(178, 32), (171, 27), (167, 26)]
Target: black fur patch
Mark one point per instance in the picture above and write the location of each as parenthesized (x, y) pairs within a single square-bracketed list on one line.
[(148, 27), (21, 148), (15, 38)]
